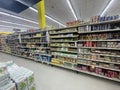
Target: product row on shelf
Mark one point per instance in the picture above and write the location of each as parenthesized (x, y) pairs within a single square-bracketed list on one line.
[(13, 77), (89, 48), (4, 44)]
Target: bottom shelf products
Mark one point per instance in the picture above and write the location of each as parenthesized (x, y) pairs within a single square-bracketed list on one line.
[(56, 61), (99, 71), (43, 57)]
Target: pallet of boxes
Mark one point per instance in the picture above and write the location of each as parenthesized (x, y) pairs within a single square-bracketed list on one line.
[(13, 77)]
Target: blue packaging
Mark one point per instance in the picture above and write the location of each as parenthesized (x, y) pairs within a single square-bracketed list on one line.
[(101, 19), (98, 18), (104, 18), (111, 18), (108, 18)]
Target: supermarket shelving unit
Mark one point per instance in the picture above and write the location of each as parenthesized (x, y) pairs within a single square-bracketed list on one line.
[(4, 44), (63, 43), (108, 64), (11, 43), (35, 45), (92, 49), (99, 49)]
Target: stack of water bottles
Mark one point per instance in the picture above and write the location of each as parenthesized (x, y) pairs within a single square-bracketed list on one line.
[(5, 82), (13, 77)]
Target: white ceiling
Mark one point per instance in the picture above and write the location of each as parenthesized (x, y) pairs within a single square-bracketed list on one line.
[(60, 11)]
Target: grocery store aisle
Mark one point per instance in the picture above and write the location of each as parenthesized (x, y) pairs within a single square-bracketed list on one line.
[(53, 78)]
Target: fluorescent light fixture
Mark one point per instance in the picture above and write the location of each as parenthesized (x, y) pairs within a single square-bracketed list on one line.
[(17, 24), (70, 5), (33, 9), (54, 20), (12, 27), (4, 28), (7, 14), (106, 8)]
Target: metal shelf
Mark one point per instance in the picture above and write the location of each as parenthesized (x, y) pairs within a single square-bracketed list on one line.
[(114, 40), (27, 33), (33, 37), (99, 31), (81, 71), (99, 61), (63, 32), (63, 28), (100, 48), (45, 54), (64, 51), (108, 68), (42, 42), (100, 67), (97, 75), (34, 42), (64, 37), (64, 56), (86, 72), (66, 46), (63, 41), (105, 22), (102, 54)]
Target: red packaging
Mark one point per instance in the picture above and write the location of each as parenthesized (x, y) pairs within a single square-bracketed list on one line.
[(90, 44)]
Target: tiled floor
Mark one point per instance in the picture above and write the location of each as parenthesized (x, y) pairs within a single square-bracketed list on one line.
[(53, 78)]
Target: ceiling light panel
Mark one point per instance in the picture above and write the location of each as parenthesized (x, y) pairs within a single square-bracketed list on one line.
[(59, 10), (48, 17), (7, 26), (88, 8), (6, 30), (17, 17), (114, 9), (72, 9), (17, 21), (54, 20), (107, 7), (30, 14), (6, 16), (17, 24)]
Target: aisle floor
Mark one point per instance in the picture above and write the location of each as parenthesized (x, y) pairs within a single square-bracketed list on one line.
[(54, 78)]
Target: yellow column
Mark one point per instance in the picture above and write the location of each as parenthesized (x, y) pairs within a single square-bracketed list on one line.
[(41, 14)]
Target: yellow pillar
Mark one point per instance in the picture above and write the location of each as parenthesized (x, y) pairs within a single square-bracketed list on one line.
[(41, 14)]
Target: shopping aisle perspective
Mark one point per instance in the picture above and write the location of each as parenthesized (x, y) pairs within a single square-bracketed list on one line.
[(52, 78)]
